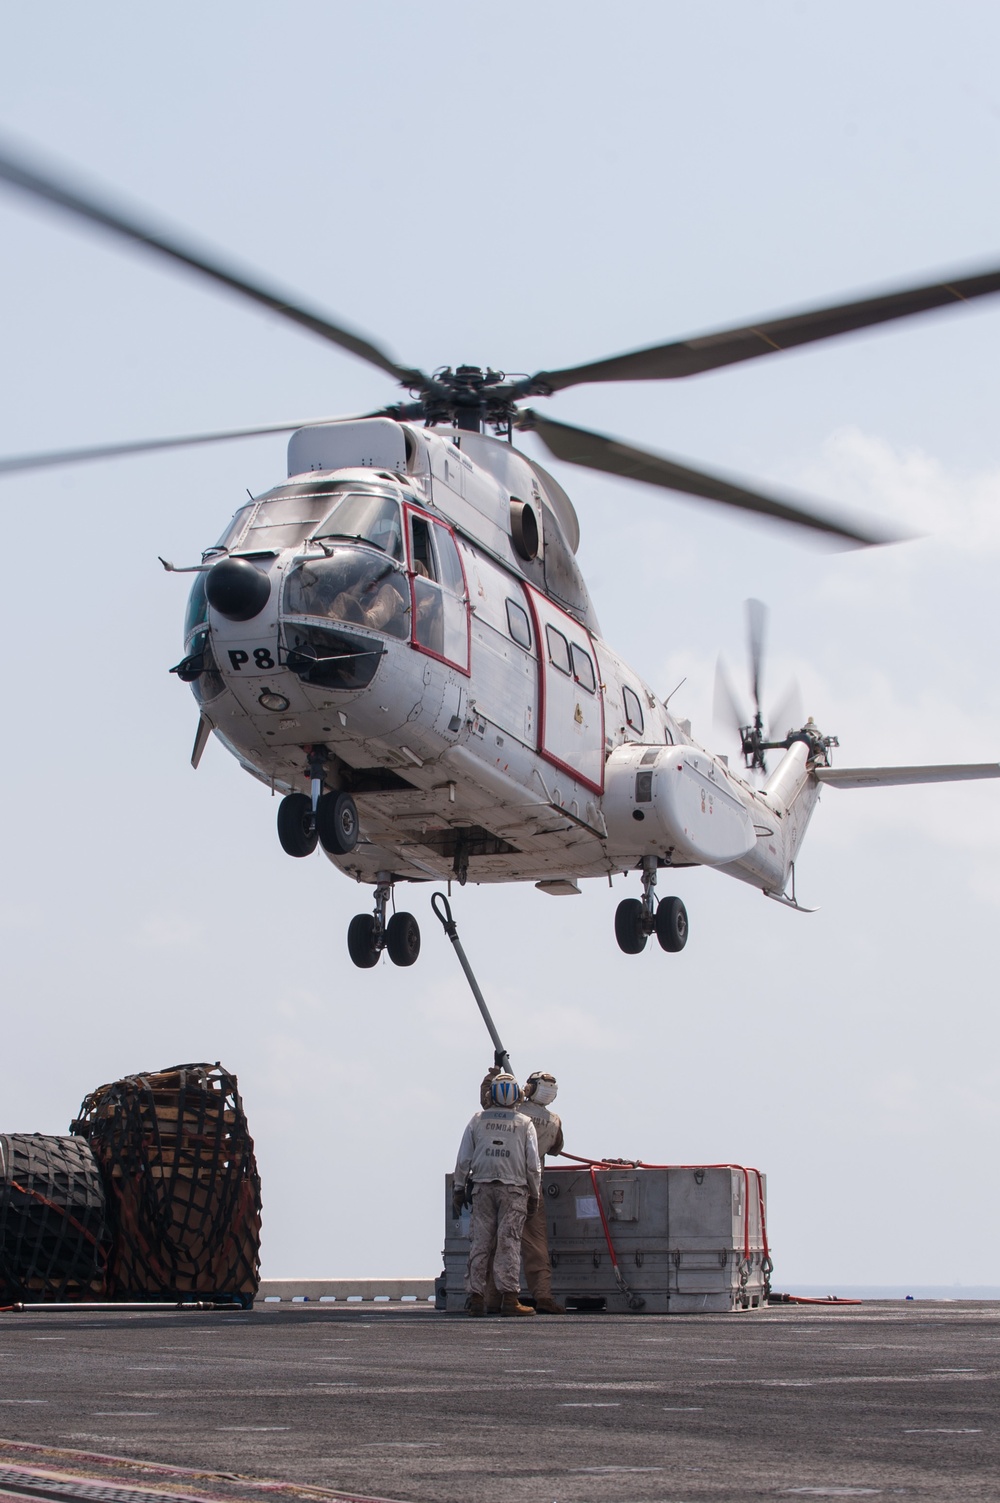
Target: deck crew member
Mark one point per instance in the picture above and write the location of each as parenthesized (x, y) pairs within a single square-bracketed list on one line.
[(499, 1150), (540, 1090)]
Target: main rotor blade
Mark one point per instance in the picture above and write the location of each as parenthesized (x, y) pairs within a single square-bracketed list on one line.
[(887, 777), (596, 451), (17, 463), (89, 206), (708, 352), (756, 626)]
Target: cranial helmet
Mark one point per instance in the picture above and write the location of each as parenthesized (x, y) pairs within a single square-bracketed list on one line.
[(505, 1090), (541, 1088)]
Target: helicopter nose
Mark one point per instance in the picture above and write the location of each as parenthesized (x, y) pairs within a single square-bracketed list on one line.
[(236, 589)]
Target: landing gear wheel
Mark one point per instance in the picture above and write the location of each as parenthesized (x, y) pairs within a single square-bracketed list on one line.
[(337, 823), (402, 939), (672, 924), (361, 946), (295, 825), (629, 930)]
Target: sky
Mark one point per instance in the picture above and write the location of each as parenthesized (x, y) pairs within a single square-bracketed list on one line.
[(525, 188)]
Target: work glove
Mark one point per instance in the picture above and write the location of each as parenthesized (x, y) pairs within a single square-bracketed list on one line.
[(457, 1203), (532, 1204), (485, 1095)]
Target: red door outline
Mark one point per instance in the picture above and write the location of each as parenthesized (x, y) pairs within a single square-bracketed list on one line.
[(410, 510), (541, 649)]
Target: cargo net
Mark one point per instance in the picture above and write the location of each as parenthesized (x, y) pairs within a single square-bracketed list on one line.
[(54, 1242), (182, 1186)]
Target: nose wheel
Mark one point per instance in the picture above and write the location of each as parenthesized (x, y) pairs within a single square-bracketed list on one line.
[(329, 818), (368, 934), (296, 826), (638, 918)]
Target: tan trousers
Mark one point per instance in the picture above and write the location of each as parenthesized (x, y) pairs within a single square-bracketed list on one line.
[(535, 1253), (498, 1213)]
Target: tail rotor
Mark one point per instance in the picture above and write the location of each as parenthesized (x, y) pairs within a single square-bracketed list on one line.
[(756, 735)]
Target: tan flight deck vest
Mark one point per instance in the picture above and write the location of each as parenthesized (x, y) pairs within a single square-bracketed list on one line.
[(548, 1127), (500, 1145)]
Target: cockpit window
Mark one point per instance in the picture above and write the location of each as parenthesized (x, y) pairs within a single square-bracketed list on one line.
[(280, 519), (236, 528), (371, 518), (351, 585), (197, 607)]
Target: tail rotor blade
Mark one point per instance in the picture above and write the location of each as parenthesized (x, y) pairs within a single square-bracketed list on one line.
[(726, 709), (787, 714)]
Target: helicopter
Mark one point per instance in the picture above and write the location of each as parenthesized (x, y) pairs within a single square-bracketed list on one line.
[(397, 638)]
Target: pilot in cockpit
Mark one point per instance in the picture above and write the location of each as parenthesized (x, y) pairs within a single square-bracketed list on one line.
[(386, 532)]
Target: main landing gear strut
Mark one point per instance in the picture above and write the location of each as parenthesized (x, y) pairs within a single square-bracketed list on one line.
[(369, 934), (637, 918), (330, 818)]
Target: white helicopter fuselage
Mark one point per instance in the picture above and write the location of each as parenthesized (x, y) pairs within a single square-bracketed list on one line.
[(448, 672)]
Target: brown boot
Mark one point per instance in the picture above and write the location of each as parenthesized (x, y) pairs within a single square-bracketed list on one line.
[(511, 1305), (477, 1305), (546, 1305)]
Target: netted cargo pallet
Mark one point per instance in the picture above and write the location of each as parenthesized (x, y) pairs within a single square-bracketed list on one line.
[(53, 1226), (181, 1181)]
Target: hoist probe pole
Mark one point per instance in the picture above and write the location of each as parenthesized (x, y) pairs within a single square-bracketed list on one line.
[(443, 912)]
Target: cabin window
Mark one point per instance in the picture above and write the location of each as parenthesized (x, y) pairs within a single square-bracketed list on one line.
[(558, 650), (520, 627), (633, 709), (583, 669)]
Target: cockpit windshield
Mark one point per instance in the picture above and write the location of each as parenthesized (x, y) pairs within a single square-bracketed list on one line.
[(365, 518), (286, 516), (280, 519)]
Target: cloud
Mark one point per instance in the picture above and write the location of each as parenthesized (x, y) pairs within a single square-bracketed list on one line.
[(908, 487)]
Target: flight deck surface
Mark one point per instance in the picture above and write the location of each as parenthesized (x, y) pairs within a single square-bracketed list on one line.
[(883, 1399)]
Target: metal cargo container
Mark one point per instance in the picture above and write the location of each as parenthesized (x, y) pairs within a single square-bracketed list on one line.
[(685, 1239)]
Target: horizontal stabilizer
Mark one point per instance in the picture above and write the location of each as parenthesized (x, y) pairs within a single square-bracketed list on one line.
[(887, 777)]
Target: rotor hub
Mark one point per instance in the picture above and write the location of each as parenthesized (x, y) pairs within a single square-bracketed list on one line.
[(468, 396)]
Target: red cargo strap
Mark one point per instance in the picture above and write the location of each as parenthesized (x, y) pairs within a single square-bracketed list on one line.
[(635, 1302), (60, 1211)]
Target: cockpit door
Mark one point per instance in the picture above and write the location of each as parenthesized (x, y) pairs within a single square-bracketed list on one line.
[(571, 722), (439, 594)]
